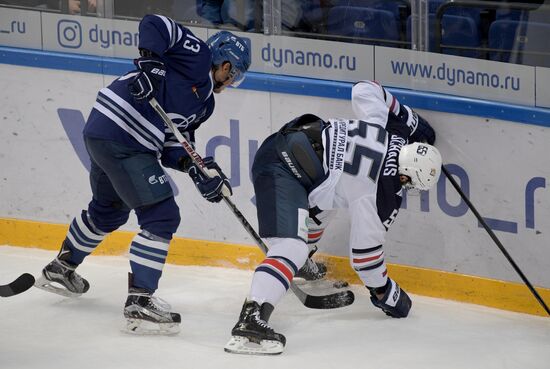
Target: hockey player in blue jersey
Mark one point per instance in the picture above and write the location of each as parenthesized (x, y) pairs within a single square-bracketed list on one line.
[(128, 142), (311, 167)]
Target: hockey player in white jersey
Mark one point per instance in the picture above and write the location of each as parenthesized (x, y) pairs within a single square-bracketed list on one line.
[(370, 102), (311, 166)]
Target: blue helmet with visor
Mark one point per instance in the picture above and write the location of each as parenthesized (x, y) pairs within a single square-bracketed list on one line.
[(227, 47)]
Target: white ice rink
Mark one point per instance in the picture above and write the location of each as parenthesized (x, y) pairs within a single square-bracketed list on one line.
[(42, 330)]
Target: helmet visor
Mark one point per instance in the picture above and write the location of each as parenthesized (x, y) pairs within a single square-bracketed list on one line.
[(237, 76)]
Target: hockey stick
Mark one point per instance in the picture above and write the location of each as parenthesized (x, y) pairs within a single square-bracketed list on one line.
[(21, 284), (332, 301), (494, 238)]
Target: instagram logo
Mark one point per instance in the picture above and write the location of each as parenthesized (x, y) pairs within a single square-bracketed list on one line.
[(69, 34)]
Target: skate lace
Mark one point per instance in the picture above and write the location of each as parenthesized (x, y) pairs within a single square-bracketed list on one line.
[(155, 303), (75, 277), (159, 304), (311, 266), (262, 323)]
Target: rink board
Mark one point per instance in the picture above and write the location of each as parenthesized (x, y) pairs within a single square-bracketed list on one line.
[(422, 281), (501, 164)]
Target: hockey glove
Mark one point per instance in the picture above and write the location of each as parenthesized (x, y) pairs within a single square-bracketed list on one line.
[(424, 132), (395, 302), (151, 74), (212, 188)]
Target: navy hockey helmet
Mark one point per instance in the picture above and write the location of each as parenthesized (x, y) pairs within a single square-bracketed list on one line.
[(226, 46)]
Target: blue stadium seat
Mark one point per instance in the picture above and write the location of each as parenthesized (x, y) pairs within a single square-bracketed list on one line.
[(312, 13), (538, 15), (473, 13), (528, 42), (363, 23), (387, 5), (502, 36), (510, 14), (456, 31)]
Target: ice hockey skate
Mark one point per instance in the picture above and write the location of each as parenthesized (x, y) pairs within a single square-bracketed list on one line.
[(149, 315), (312, 271), (252, 335), (60, 277)]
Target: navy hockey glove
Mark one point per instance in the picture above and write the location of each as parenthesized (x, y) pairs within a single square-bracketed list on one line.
[(395, 302), (424, 132), (150, 76), (212, 188)]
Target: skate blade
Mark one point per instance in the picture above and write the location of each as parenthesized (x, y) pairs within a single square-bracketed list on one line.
[(242, 345), (142, 327), (49, 286)]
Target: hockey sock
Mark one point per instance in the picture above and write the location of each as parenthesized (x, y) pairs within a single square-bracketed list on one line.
[(369, 264), (147, 257), (81, 239), (273, 276)]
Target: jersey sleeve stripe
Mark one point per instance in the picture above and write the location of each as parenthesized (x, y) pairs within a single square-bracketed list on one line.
[(170, 28), (131, 116), (122, 124)]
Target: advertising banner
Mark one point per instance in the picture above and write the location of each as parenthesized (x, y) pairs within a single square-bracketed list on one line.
[(456, 75), (295, 56), (94, 36), (543, 87), (310, 58), (20, 28)]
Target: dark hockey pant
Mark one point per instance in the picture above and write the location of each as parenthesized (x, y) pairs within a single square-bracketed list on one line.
[(122, 179)]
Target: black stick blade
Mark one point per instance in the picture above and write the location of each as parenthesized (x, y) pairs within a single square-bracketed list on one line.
[(333, 301), (21, 284)]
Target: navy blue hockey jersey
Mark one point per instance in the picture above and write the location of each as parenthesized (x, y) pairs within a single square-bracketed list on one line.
[(186, 95)]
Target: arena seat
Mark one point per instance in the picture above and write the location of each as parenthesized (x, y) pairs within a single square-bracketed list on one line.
[(362, 23)]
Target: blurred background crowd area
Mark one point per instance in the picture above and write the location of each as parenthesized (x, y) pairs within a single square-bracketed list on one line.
[(508, 31)]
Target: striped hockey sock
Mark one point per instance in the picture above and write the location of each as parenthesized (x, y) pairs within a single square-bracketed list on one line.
[(147, 257), (81, 239)]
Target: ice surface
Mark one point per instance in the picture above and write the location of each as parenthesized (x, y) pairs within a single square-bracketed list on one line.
[(41, 330)]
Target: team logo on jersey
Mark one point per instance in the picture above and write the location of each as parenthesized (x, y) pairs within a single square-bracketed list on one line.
[(182, 122), (160, 179)]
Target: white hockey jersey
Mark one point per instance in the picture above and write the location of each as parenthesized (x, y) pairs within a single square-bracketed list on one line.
[(361, 159)]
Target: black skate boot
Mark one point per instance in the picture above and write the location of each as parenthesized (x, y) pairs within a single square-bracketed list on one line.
[(146, 314), (252, 335), (392, 299), (60, 277)]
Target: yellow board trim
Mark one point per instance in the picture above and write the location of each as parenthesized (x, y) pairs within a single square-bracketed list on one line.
[(428, 282)]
